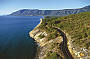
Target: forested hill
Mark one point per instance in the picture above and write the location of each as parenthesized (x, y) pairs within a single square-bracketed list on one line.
[(36, 12), (76, 25)]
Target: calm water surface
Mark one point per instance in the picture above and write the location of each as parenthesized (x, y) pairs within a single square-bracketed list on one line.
[(15, 42)]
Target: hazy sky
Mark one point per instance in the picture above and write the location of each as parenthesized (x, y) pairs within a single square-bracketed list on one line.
[(9, 6)]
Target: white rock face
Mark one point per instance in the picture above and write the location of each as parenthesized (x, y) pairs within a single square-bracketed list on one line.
[(35, 34)]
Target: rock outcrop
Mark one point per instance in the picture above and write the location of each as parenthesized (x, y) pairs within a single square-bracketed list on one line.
[(55, 45), (46, 45)]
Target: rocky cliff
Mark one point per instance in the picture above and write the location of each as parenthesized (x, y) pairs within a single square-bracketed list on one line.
[(60, 47), (48, 48)]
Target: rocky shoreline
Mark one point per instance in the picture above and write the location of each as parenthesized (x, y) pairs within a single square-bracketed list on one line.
[(38, 44), (44, 45)]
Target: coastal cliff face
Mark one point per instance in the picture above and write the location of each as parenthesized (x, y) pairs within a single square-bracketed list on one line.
[(35, 34), (64, 37), (47, 46), (48, 49)]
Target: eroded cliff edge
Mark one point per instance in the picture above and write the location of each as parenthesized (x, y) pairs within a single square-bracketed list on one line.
[(51, 48), (58, 46), (48, 48)]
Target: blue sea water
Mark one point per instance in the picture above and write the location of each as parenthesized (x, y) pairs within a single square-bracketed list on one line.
[(15, 42)]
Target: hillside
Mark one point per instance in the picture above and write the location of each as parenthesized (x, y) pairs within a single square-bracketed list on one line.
[(36, 12), (77, 26)]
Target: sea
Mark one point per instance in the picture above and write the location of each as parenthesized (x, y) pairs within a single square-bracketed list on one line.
[(15, 42)]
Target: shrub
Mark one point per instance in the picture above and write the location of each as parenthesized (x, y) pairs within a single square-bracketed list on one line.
[(41, 36)]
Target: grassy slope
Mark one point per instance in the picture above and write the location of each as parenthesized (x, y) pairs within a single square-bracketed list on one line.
[(76, 25)]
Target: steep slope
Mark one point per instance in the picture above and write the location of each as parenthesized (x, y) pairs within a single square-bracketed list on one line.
[(36, 12), (73, 29)]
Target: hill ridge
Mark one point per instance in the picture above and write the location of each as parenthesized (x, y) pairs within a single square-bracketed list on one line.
[(37, 12)]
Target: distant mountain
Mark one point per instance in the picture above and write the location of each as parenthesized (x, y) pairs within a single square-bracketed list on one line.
[(36, 12)]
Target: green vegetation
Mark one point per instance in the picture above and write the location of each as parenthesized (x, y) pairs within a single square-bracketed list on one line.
[(41, 36), (52, 55), (76, 25)]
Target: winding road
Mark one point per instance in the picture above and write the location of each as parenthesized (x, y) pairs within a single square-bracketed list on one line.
[(63, 45)]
